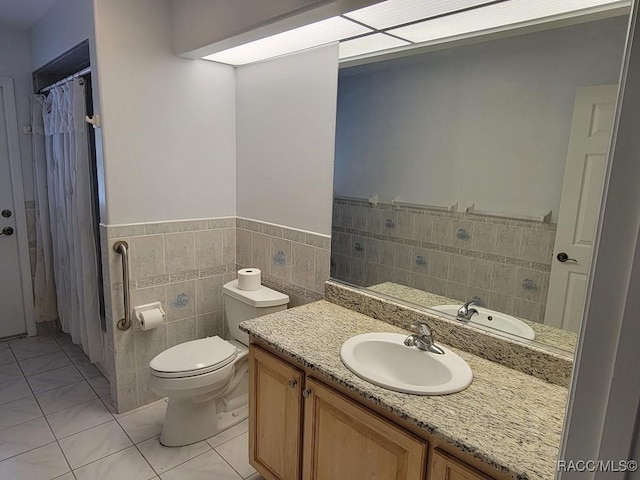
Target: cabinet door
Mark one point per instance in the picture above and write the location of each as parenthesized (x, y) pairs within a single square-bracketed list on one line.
[(344, 441), (446, 467), (275, 416)]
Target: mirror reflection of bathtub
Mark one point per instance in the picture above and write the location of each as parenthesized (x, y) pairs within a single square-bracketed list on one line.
[(461, 173)]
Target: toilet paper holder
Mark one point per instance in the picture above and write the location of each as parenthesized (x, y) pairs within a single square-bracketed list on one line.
[(140, 309)]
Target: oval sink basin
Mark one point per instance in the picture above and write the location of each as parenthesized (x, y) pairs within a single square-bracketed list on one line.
[(492, 320), (384, 360)]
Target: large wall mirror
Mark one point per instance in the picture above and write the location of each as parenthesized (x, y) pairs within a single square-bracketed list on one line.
[(475, 173)]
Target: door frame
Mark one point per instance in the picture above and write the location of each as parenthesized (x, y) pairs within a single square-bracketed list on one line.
[(15, 165)]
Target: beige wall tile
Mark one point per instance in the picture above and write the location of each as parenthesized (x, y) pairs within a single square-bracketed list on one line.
[(370, 274), (145, 395), (423, 227), (209, 295), (419, 260), (508, 240), (535, 245), (484, 237), (359, 218), (404, 225), (341, 243), (462, 234), (179, 252), (457, 291), (418, 281), (320, 241), (402, 258), (322, 266), (210, 324), (209, 248), (244, 248), (303, 265), (372, 250), (262, 253), (480, 273), (181, 331), (294, 235), (528, 284), (229, 246), (127, 392), (358, 245), (124, 351), (500, 303), (442, 231), (147, 256), (503, 279), (387, 250), (526, 309), (438, 265), (148, 344), (281, 260), (181, 300), (459, 269), (356, 271), (148, 295), (478, 293), (436, 285)]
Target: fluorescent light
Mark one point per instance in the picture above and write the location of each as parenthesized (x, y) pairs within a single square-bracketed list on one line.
[(397, 12), (315, 34), (369, 44), (512, 12)]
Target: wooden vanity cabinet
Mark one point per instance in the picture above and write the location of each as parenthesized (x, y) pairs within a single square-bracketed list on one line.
[(275, 416), (445, 467), (300, 428)]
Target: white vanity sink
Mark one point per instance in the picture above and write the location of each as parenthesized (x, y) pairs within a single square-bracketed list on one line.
[(490, 319), (384, 360)]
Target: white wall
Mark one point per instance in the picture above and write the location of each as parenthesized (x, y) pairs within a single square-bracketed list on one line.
[(15, 62), (168, 123), (64, 26), (286, 111), (487, 123)]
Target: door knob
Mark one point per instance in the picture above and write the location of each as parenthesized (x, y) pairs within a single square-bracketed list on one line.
[(7, 231), (563, 257), (6, 213)]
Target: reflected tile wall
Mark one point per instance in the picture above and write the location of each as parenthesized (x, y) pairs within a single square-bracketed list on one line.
[(503, 262)]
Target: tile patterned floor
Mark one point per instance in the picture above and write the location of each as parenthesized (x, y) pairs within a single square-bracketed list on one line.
[(56, 421)]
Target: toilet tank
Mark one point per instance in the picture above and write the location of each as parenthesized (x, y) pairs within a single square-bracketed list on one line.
[(243, 305)]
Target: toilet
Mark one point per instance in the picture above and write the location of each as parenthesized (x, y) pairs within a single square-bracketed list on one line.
[(206, 380)]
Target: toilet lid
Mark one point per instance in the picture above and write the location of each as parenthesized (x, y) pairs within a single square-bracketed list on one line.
[(200, 356)]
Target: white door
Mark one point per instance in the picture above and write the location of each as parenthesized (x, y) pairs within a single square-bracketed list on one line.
[(580, 204), (15, 281)]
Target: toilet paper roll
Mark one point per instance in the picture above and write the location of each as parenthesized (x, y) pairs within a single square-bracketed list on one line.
[(150, 319), (249, 279)]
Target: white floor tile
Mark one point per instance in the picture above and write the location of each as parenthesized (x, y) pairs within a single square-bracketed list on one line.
[(19, 411), (65, 397), (6, 356), (100, 385), (164, 458), (75, 353), (207, 466), (14, 390), (144, 423), (44, 363), (87, 369), (24, 437), (43, 463), (4, 345), (10, 372), (34, 347), (78, 418), (93, 444), (54, 379), (229, 434), (236, 452), (66, 476), (127, 464)]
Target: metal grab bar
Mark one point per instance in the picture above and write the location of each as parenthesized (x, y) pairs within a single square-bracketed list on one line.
[(122, 248)]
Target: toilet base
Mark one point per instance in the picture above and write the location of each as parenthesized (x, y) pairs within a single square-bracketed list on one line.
[(188, 422)]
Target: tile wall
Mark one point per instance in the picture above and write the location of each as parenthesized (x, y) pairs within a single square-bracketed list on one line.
[(181, 264), (503, 263), (184, 265), (292, 261)]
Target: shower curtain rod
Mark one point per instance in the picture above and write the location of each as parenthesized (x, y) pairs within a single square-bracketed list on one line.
[(84, 71)]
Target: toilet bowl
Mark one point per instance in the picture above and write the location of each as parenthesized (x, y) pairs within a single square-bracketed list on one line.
[(206, 380)]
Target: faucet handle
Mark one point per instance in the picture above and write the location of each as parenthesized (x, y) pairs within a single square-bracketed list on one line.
[(423, 329)]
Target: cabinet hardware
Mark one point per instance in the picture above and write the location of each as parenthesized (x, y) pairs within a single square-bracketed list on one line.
[(292, 383)]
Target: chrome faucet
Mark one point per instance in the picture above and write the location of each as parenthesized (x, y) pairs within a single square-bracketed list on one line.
[(423, 340), (465, 312)]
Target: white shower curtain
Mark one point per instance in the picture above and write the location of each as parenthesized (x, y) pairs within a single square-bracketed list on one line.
[(70, 200)]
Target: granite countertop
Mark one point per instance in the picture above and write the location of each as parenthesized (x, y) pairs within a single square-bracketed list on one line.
[(546, 334), (509, 420)]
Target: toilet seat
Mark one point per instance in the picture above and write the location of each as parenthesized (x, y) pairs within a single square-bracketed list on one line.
[(190, 359)]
